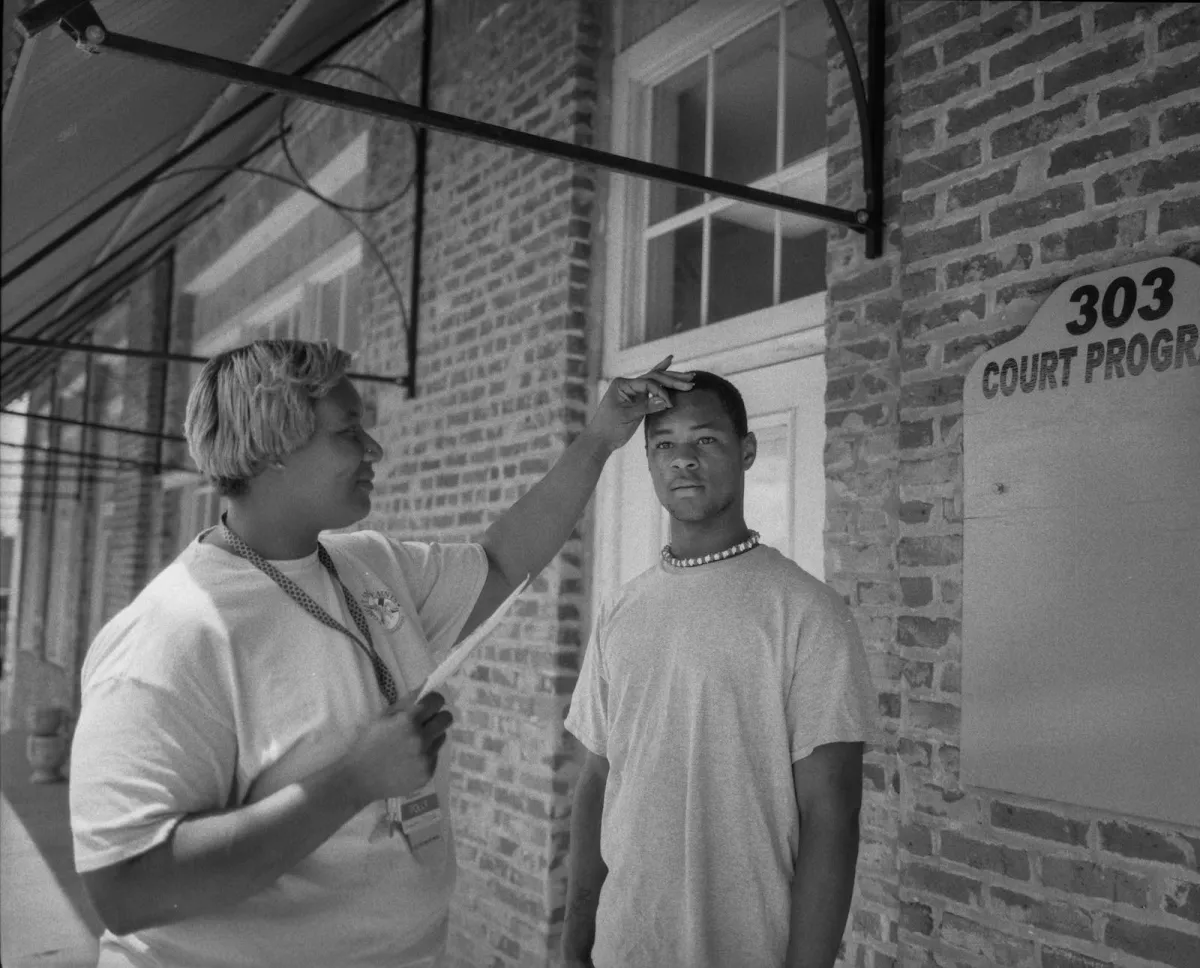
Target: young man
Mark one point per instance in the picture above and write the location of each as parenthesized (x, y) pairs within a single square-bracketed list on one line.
[(252, 783), (724, 702)]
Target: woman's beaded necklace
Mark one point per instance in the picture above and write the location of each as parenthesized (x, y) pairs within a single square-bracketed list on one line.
[(737, 549)]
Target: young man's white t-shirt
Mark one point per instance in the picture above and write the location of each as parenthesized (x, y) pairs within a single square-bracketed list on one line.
[(214, 689), (702, 686)]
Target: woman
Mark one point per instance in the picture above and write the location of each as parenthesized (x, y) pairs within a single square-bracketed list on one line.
[(252, 782)]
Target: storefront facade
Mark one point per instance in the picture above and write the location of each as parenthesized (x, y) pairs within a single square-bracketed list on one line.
[(1025, 144)]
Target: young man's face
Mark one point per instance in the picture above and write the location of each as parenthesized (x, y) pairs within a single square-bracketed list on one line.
[(330, 477), (697, 461)]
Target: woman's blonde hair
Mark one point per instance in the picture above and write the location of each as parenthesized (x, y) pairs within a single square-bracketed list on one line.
[(254, 404)]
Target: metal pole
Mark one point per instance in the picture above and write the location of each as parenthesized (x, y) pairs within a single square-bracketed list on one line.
[(41, 16), (438, 120), (79, 316), (86, 456), (418, 228), (165, 365), (95, 426), (873, 153), (62, 344), (116, 254)]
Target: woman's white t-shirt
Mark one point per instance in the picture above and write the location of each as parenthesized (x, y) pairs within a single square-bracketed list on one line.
[(214, 689)]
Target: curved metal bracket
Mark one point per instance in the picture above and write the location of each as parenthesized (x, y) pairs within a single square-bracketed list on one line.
[(870, 114)]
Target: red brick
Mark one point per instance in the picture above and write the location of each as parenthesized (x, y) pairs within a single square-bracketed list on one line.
[(914, 434), (964, 194), (938, 716), (941, 16), (988, 265), (1117, 56), (1039, 823), (969, 346), (1182, 28), (1062, 958), (918, 137), (932, 393), (872, 416), (920, 209), (1142, 843), (916, 592), (1035, 48), (934, 881), (1118, 231), (918, 64), (1101, 147), (1182, 899), (917, 283), (889, 708), (996, 949), (1092, 880), (1184, 214), (950, 84), (953, 161), (929, 550), (977, 113), (1031, 212), (984, 856), (916, 917), (1147, 89), (934, 242), (917, 632), (1041, 913), (1013, 19), (1179, 121), (879, 276), (1155, 175), (1162, 945), (918, 675), (1111, 15), (1045, 127), (915, 512)]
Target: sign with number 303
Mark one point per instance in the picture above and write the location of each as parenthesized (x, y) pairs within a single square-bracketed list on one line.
[(1081, 547)]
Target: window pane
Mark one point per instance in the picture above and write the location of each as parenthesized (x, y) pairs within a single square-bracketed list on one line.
[(330, 311), (742, 273), (804, 82), (677, 116), (745, 104), (802, 262), (673, 281)]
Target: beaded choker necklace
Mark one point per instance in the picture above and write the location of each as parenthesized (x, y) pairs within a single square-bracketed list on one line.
[(737, 549)]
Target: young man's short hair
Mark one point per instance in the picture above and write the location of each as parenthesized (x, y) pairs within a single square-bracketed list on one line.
[(726, 392), (254, 404)]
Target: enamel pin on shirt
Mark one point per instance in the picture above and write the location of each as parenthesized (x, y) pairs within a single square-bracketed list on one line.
[(384, 607)]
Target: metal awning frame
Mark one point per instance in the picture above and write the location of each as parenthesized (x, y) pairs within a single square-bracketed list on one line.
[(79, 19)]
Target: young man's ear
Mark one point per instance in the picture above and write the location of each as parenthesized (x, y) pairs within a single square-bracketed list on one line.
[(749, 450)]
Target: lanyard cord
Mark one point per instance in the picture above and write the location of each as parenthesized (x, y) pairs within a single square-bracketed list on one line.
[(383, 677)]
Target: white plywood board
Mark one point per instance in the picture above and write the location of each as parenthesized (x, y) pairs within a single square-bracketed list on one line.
[(1081, 561)]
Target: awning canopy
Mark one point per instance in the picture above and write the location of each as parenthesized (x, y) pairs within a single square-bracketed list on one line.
[(77, 126), (79, 129)]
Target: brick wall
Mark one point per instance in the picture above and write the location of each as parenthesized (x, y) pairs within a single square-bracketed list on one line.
[(1028, 142)]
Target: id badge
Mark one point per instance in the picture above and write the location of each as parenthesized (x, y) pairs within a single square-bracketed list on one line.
[(419, 818)]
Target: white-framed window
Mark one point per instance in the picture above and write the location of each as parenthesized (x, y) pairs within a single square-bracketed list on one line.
[(737, 92), (320, 302)]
